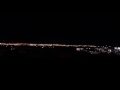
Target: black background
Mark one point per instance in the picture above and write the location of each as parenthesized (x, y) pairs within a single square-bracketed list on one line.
[(69, 27)]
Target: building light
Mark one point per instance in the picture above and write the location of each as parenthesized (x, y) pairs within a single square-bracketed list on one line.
[(78, 49)]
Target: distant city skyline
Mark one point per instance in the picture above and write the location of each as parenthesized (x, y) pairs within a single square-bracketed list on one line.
[(93, 49), (52, 44)]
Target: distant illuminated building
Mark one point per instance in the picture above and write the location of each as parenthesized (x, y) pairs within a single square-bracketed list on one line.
[(117, 50), (79, 49)]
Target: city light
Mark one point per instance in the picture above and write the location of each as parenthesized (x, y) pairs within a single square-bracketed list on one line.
[(87, 48)]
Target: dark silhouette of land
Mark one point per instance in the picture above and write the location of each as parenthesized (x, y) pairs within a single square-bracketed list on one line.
[(38, 52), (47, 59)]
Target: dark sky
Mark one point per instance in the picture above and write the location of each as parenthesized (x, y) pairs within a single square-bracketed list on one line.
[(70, 27)]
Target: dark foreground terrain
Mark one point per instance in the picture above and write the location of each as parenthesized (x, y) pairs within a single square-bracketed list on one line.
[(58, 61), (32, 52)]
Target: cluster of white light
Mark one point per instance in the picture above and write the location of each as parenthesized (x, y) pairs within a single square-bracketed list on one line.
[(117, 48)]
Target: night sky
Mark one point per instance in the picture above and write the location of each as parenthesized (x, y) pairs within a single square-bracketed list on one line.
[(67, 27)]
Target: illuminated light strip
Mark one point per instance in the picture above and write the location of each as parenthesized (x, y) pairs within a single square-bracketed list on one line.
[(30, 44)]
